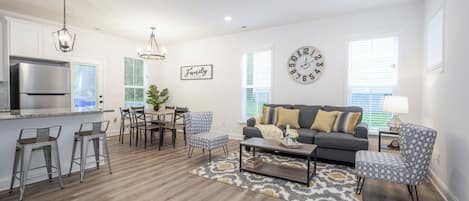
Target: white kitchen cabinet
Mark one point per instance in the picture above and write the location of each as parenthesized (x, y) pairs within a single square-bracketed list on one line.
[(26, 38)]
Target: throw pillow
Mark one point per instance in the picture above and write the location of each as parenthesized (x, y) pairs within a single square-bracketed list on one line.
[(269, 115), (324, 121), (346, 122), (288, 117)]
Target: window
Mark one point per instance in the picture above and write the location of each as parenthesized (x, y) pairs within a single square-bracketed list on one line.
[(372, 75), (257, 68), (134, 82), (84, 86)]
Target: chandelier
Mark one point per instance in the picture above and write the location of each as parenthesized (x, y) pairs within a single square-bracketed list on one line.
[(152, 50), (64, 39)]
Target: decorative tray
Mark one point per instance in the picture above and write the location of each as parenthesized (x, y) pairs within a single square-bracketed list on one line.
[(295, 145)]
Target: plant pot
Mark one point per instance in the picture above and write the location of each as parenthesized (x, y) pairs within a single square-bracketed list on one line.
[(156, 107)]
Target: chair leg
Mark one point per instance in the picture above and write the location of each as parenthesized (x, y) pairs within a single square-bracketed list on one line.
[(413, 192), (358, 184), (361, 183), (121, 131), (73, 156), (224, 151), (55, 150), (185, 136), (189, 152), (47, 157), (174, 137), (145, 140), (210, 155), (84, 154), (96, 151), (161, 131), (26, 161), (131, 135), (108, 159), (15, 168)]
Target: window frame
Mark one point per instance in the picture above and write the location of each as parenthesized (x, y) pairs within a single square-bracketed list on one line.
[(348, 89), (244, 86), (144, 84)]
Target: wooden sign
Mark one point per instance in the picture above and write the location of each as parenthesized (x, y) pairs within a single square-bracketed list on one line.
[(197, 72)]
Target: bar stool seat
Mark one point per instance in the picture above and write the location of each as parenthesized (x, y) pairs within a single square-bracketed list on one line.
[(25, 146), (90, 132), (87, 133), (34, 140)]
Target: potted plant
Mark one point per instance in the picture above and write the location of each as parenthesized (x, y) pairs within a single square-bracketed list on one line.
[(156, 97)]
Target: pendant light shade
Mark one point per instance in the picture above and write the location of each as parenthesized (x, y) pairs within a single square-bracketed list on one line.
[(64, 39), (152, 50)]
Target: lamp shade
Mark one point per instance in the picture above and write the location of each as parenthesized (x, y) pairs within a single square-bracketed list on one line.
[(396, 104)]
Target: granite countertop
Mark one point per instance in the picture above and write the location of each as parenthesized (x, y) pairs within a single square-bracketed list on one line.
[(53, 112)]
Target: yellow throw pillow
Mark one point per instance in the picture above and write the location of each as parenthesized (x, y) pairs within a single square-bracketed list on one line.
[(288, 117), (269, 115), (324, 121)]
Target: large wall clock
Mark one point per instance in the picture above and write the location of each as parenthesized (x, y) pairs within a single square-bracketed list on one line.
[(306, 65)]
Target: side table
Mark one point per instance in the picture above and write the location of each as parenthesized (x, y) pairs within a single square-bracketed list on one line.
[(387, 133)]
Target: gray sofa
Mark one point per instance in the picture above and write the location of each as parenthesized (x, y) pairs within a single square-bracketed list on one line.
[(331, 146)]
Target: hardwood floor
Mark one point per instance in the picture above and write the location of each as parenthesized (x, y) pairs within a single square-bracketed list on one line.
[(148, 174)]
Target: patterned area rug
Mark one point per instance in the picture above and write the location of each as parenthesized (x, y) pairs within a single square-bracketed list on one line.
[(332, 182)]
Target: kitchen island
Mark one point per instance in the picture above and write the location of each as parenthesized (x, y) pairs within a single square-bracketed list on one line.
[(12, 122)]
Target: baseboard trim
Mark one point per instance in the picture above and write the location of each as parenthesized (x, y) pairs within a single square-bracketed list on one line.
[(441, 187)]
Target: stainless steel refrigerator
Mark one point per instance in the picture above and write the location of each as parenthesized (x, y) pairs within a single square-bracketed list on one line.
[(39, 86)]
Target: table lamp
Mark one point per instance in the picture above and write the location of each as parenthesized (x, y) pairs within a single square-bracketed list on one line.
[(395, 105)]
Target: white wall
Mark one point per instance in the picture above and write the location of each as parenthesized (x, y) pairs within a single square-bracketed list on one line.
[(108, 51), (222, 95), (445, 102)]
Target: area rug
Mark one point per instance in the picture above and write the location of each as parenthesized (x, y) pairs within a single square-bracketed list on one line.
[(332, 182)]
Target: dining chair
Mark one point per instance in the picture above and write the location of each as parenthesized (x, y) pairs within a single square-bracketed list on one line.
[(125, 116), (142, 122)]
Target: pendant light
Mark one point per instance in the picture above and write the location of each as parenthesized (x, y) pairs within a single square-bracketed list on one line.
[(152, 50), (64, 39)]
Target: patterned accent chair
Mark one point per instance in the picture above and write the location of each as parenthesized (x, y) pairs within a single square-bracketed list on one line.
[(199, 136), (410, 167)]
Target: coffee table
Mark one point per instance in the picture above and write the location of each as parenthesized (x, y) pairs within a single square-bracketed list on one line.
[(294, 174)]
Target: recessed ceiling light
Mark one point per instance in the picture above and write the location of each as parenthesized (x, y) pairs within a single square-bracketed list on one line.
[(228, 18)]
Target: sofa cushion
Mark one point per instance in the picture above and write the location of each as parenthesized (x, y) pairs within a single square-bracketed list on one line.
[(340, 141), (288, 117), (286, 106), (345, 109), (306, 135), (307, 114), (324, 121)]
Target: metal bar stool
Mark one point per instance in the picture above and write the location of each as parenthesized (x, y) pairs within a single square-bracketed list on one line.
[(36, 139), (90, 132)]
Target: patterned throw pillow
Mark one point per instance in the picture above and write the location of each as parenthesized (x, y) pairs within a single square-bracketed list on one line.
[(346, 122), (324, 121), (288, 117), (269, 115)]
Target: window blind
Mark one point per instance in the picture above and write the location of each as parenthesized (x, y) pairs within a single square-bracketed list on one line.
[(372, 76), (257, 72)]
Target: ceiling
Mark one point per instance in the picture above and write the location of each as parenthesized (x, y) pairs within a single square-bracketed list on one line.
[(179, 20)]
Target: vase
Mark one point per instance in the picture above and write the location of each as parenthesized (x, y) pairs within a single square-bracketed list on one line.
[(156, 108)]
